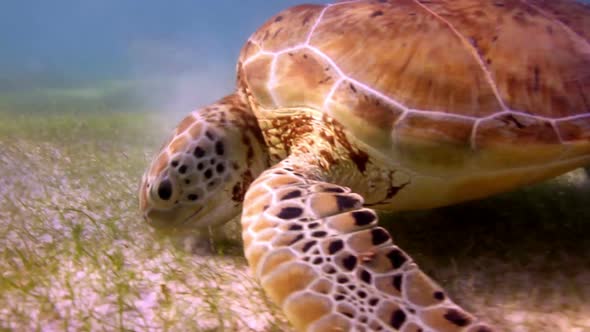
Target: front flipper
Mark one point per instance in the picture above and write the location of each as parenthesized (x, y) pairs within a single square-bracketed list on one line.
[(322, 258)]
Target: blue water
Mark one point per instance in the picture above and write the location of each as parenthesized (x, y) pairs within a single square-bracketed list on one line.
[(165, 54), (71, 43)]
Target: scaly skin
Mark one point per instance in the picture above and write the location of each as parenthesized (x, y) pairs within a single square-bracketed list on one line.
[(213, 156), (322, 258), (316, 250)]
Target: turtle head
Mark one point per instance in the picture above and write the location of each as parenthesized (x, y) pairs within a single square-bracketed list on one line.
[(199, 177)]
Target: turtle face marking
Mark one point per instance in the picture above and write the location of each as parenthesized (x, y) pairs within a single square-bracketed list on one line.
[(193, 183), (199, 168), (193, 180)]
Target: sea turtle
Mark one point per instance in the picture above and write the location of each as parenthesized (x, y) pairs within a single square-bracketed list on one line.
[(356, 106)]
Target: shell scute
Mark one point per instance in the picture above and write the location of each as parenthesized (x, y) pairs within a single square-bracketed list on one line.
[(404, 54), (250, 50), (461, 73), (575, 129), (520, 70), (291, 27), (443, 130), (354, 100), (257, 74), (511, 129), (185, 124), (429, 142), (572, 13), (310, 74)]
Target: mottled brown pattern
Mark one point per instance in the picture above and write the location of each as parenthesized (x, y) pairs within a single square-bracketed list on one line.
[(407, 54), (240, 116), (362, 104), (327, 155), (328, 137), (288, 28), (302, 79), (240, 188), (514, 129), (282, 133), (575, 129), (359, 157), (288, 129), (391, 192), (250, 130), (527, 78)]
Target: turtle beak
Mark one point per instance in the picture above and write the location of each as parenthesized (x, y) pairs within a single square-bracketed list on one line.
[(175, 218), (157, 206)]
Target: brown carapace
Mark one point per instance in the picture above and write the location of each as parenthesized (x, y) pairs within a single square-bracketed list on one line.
[(391, 105)]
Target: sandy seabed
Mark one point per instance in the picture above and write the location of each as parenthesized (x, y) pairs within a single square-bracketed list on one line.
[(76, 256)]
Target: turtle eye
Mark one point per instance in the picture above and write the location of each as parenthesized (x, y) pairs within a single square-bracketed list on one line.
[(165, 189)]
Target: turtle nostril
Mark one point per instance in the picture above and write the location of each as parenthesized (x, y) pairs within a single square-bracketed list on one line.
[(165, 189)]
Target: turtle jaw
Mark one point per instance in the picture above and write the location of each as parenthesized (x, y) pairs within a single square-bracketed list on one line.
[(190, 217), (171, 218), (216, 209)]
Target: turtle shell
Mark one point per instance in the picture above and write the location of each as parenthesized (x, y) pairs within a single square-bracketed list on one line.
[(434, 83)]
